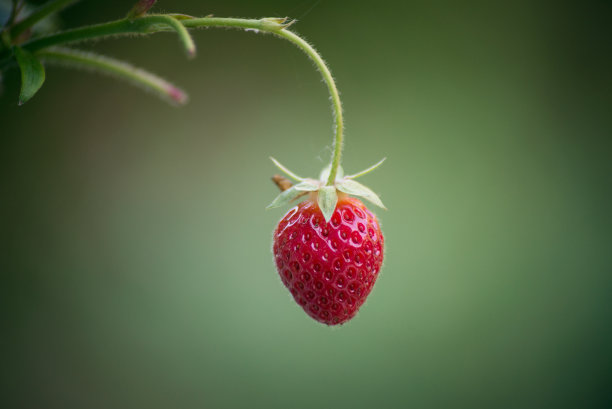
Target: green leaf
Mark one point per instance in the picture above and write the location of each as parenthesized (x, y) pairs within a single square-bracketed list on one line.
[(357, 189), (368, 170), (308, 185), (285, 197), (328, 198), (32, 74)]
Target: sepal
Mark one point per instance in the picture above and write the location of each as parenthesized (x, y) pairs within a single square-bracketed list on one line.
[(357, 189), (368, 170), (285, 197), (286, 171), (328, 198), (308, 185)]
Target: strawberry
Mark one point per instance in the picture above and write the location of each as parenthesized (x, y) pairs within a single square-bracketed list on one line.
[(328, 252)]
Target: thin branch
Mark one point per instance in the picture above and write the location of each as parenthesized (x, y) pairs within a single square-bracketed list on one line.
[(116, 68)]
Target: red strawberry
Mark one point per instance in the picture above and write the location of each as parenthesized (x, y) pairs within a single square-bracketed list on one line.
[(329, 267), (329, 248)]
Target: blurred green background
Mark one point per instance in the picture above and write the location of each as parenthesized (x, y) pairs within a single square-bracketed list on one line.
[(135, 258)]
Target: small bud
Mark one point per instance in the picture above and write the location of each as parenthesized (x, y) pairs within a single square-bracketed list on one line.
[(140, 8), (275, 23), (177, 95)]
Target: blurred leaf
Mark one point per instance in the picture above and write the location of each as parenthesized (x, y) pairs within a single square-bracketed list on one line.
[(39, 14)]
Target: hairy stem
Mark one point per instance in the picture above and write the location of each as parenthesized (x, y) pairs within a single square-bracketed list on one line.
[(115, 68), (333, 92)]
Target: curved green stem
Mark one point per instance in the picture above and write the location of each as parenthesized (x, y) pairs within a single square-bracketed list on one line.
[(333, 92), (155, 23), (180, 29), (278, 28)]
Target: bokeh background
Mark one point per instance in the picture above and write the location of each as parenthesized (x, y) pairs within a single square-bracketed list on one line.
[(135, 263)]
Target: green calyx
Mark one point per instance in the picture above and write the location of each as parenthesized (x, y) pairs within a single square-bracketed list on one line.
[(327, 196)]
